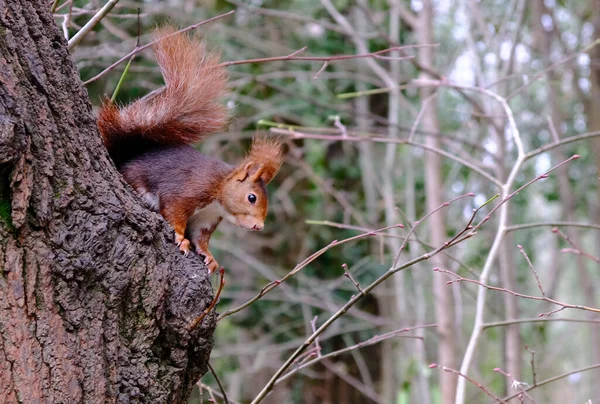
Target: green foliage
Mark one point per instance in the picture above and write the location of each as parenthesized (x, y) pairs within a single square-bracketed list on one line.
[(329, 182), (5, 213), (5, 199)]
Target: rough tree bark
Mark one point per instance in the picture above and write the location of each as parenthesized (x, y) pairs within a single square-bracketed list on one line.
[(94, 299)]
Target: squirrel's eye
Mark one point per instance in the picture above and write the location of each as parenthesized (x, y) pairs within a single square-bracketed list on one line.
[(251, 198)]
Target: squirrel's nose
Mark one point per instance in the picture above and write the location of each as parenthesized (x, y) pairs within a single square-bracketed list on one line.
[(258, 227)]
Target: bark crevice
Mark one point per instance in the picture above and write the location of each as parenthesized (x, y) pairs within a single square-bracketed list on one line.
[(94, 297)]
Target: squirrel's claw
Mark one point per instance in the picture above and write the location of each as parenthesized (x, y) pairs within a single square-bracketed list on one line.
[(184, 247), (212, 266), (210, 261)]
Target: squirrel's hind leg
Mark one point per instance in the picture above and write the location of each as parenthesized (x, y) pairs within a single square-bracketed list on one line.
[(178, 221), (202, 249)]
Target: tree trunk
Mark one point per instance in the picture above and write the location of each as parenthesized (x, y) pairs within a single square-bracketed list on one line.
[(594, 126), (442, 293), (94, 299)]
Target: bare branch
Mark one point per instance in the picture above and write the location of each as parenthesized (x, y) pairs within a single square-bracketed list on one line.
[(372, 341), (273, 284), (555, 378), (476, 384), (516, 384), (537, 320), (91, 23), (198, 320), (533, 374), (459, 279), (537, 278), (355, 299), (551, 224), (325, 59), (418, 222), (562, 142), (301, 135), (223, 394), (348, 275), (138, 49), (575, 249)]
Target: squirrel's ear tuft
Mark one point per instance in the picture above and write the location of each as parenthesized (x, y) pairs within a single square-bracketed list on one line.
[(268, 154)]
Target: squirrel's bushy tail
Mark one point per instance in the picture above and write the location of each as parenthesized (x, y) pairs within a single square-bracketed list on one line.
[(183, 112)]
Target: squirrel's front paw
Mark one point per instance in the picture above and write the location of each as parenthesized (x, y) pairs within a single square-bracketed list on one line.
[(210, 261), (182, 243), (184, 247)]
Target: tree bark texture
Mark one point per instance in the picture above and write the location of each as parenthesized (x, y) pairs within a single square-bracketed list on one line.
[(95, 301)]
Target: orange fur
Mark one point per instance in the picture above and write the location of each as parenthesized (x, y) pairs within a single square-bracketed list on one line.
[(266, 154), (182, 112), (148, 141)]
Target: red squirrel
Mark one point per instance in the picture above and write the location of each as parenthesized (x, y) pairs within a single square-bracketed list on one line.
[(149, 141)]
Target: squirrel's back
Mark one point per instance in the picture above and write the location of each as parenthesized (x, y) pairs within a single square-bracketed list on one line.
[(183, 112)]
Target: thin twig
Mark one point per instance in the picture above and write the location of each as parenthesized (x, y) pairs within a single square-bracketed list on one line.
[(469, 225), (352, 227), (324, 59), (273, 284), (552, 224), (313, 327), (537, 278), (321, 70), (348, 275), (367, 390), (212, 396), (65, 28), (516, 384), (424, 107), (66, 25), (197, 321), (555, 378), (543, 72), (418, 222), (54, 5), (213, 392), (532, 361), (476, 384), (91, 23), (301, 135), (218, 383), (374, 340), (287, 16), (549, 313), (575, 249), (562, 142), (361, 133), (121, 80), (536, 320), (355, 299), (459, 279), (77, 11), (337, 122), (138, 49)]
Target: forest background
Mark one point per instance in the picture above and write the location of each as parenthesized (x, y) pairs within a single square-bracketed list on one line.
[(468, 100)]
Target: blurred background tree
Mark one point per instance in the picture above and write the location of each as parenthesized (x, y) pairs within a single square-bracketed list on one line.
[(538, 55)]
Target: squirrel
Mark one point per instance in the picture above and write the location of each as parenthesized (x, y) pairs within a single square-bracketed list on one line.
[(149, 142)]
